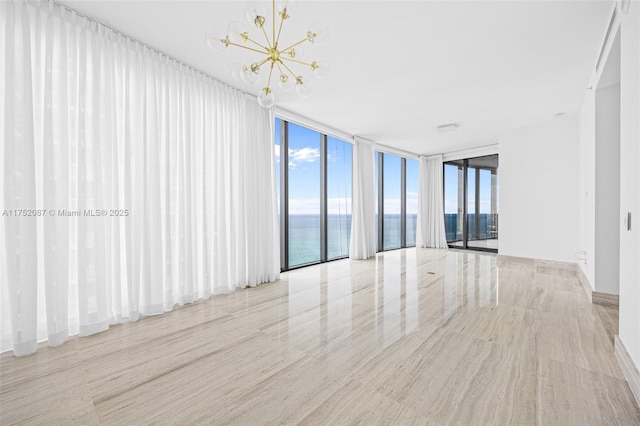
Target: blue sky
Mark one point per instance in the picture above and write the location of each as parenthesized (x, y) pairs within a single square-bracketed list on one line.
[(304, 171), (451, 190)]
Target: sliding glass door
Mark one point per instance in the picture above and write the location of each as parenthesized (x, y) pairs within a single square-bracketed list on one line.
[(454, 202), (482, 218), (471, 203)]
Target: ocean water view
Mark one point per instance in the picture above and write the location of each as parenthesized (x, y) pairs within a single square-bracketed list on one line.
[(304, 236)]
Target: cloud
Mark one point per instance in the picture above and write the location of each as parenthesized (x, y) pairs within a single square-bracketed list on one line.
[(298, 156), (306, 155), (302, 155)]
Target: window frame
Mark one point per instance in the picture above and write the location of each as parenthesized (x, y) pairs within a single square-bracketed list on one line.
[(284, 196), (403, 203), (465, 203)]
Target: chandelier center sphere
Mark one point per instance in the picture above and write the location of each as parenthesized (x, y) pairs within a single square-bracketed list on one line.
[(273, 55)]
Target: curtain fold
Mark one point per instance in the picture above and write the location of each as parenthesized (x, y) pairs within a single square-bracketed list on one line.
[(430, 231), (363, 243), (130, 183)]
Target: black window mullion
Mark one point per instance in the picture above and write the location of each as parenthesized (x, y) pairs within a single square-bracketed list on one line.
[(403, 202), (465, 198), (284, 195), (323, 198), (477, 204), (380, 201)]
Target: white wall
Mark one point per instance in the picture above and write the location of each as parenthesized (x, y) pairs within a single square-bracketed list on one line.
[(539, 188), (607, 191), (630, 181), (599, 196), (629, 241), (587, 224)]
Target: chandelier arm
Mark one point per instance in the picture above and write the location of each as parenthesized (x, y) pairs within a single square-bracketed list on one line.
[(289, 69), (245, 47), (277, 39), (261, 63), (270, 73), (257, 44), (296, 61), (295, 44), (266, 37)]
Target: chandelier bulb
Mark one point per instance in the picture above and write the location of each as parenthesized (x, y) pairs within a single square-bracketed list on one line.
[(303, 87), (256, 15), (266, 98), (285, 8), (217, 42), (318, 33), (250, 74), (285, 83), (320, 68), (237, 33), (294, 52)]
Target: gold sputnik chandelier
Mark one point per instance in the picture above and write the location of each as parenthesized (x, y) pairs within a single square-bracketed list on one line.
[(277, 60)]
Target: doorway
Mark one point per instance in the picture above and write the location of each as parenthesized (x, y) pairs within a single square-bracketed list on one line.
[(607, 175), (471, 203)]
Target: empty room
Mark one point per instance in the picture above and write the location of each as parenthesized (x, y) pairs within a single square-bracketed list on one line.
[(283, 212)]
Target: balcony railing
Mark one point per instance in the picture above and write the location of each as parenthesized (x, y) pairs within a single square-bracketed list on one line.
[(487, 227)]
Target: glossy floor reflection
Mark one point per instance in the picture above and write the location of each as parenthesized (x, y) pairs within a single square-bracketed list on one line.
[(412, 336)]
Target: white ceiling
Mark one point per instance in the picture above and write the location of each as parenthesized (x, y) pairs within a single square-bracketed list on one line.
[(399, 69)]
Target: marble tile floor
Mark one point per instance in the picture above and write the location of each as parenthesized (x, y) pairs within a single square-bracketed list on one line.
[(414, 336)]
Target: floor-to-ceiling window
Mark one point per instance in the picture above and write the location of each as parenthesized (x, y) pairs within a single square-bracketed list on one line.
[(471, 202), (314, 177), (314, 195), (396, 201), (391, 201), (411, 184), (338, 197), (303, 195)]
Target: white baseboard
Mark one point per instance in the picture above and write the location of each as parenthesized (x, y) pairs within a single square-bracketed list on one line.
[(629, 369)]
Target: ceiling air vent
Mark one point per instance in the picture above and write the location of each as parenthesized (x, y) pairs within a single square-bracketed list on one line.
[(448, 127), (606, 39)]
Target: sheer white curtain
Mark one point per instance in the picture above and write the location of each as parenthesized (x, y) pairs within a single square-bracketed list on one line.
[(130, 183), (430, 231), (363, 208)]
